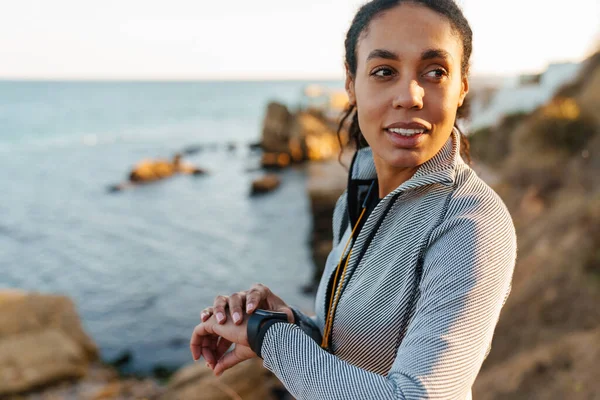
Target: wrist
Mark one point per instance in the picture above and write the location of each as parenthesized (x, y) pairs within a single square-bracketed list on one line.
[(259, 323)]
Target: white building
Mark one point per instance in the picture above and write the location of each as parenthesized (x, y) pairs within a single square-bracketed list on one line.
[(519, 94)]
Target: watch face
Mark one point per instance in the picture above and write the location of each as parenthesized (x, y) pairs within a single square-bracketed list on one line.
[(267, 313)]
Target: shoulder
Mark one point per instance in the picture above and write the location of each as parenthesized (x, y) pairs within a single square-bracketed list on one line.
[(474, 199), (473, 249), (476, 226)]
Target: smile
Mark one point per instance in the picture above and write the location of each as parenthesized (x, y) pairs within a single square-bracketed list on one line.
[(406, 132)]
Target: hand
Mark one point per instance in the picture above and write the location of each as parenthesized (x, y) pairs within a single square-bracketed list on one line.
[(259, 296), (212, 340)]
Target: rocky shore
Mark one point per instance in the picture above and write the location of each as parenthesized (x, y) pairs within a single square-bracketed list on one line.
[(45, 354)]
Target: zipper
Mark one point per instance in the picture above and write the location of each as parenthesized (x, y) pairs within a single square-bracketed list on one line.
[(360, 257)]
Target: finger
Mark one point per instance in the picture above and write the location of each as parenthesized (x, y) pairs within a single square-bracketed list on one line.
[(197, 340), (236, 302), (222, 348), (209, 347), (219, 308), (288, 311), (196, 352), (229, 360), (256, 295), (206, 313)]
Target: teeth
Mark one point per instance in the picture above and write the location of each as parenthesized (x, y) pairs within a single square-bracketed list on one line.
[(406, 132)]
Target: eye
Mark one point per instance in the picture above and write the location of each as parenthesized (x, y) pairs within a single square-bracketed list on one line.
[(438, 74), (382, 72)]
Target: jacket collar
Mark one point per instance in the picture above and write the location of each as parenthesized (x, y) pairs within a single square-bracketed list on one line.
[(441, 168)]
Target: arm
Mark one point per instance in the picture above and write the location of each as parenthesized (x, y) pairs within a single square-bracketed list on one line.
[(307, 324), (467, 271)]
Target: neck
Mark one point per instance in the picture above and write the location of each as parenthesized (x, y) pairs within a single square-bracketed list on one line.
[(389, 178)]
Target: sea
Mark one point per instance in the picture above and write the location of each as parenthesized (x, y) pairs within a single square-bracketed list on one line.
[(141, 264)]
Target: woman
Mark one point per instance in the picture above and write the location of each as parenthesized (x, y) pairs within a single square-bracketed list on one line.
[(423, 249)]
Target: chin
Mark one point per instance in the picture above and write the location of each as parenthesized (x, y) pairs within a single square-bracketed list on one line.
[(405, 159)]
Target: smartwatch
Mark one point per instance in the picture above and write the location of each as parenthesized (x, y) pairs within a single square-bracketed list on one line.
[(258, 324)]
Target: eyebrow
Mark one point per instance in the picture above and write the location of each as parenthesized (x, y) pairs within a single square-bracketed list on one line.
[(426, 55)]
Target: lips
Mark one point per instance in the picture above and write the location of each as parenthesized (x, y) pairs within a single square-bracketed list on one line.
[(407, 132), (407, 129), (406, 136)]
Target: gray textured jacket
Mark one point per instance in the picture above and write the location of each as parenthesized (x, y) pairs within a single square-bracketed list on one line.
[(428, 275)]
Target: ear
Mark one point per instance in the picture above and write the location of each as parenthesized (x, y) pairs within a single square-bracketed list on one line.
[(350, 86), (464, 89)]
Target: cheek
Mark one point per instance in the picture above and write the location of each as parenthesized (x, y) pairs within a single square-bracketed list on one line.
[(372, 104), (442, 105)]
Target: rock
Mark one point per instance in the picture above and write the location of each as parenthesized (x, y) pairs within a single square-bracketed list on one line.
[(564, 369), (196, 171), (315, 137), (100, 382), (276, 128), (255, 146), (22, 312), (265, 184), (546, 342), (306, 135), (231, 146), (247, 380), (33, 359), (123, 359), (110, 391), (193, 149), (320, 252), (275, 161), (41, 341), (45, 354), (326, 182)]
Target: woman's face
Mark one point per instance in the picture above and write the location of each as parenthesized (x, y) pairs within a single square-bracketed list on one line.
[(408, 84)]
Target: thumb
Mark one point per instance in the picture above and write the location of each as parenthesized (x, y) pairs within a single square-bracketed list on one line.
[(237, 355), (288, 311)]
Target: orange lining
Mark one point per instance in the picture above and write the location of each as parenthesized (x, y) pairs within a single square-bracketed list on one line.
[(336, 294)]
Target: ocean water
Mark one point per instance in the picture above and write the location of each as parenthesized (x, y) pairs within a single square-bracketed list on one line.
[(141, 264)]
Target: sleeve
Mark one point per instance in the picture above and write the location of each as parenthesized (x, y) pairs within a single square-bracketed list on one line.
[(307, 324), (467, 269)]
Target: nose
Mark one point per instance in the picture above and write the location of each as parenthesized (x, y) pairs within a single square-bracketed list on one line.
[(409, 95)]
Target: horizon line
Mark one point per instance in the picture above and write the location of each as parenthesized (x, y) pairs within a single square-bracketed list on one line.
[(205, 79), (167, 80)]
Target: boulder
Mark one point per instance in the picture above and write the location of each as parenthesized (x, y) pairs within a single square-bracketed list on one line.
[(22, 312), (247, 380), (275, 161), (265, 184), (276, 128), (41, 341), (99, 383), (33, 359), (326, 182), (315, 136), (303, 136)]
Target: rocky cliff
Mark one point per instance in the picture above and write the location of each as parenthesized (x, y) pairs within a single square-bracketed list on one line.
[(548, 337)]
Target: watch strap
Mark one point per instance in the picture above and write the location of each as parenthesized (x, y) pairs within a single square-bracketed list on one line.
[(258, 324), (307, 325)]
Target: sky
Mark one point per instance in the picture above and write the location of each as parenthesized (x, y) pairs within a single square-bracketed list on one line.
[(260, 39)]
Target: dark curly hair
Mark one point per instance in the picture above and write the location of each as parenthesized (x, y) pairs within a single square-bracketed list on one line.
[(361, 20)]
